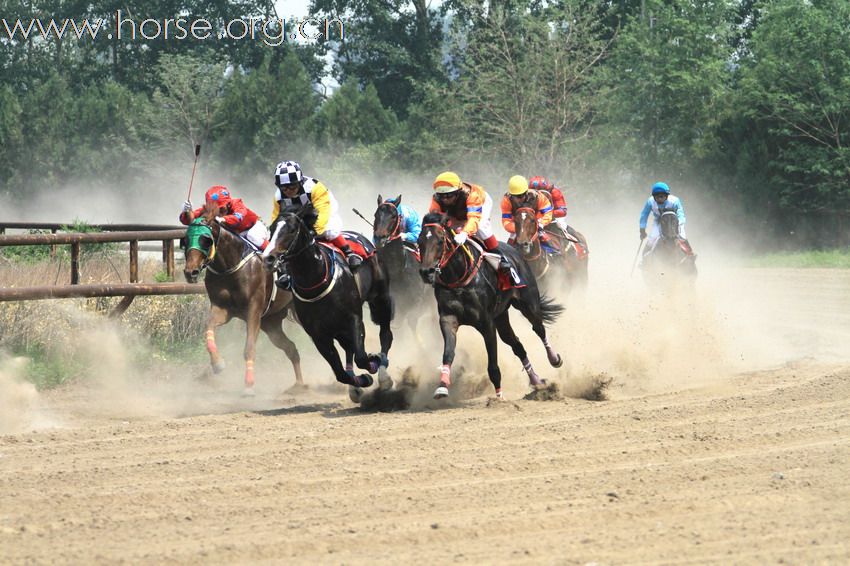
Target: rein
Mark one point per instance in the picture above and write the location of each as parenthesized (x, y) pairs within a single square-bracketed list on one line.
[(449, 249), (331, 270), (395, 233)]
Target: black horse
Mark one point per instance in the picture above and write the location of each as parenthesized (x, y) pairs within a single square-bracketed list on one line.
[(468, 292), (670, 259), (237, 286), (400, 258), (329, 298)]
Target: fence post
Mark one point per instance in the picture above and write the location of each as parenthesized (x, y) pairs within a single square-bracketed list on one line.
[(75, 263), (168, 258), (134, 261), (53, 246)]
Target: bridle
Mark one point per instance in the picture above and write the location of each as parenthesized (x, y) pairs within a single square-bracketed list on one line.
[(289, 253), (448, 250), (395, 233), (535, 235)]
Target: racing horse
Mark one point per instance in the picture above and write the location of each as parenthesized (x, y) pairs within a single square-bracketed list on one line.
[(237, 286), (401, 259), (328, 298), (670, 259), (469, 292), (570, 257)]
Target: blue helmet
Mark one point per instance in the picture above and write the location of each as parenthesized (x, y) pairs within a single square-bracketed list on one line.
[(660, 188)]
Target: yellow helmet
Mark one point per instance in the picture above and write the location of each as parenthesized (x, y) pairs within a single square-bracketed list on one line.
[(447, 182), (518, 185)]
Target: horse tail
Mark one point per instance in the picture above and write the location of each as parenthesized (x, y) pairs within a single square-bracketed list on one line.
[(549, 309)]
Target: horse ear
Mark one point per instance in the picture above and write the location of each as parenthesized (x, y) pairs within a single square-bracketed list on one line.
[(398, 199), (380, 200)]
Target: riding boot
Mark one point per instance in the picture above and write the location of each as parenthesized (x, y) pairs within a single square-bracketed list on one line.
[(354, 260)]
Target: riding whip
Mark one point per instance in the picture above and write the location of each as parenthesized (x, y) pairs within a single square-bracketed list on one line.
[(357, 212), (634, 263), (192, 178)]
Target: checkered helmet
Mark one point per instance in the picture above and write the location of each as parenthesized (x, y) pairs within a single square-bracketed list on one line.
[(287, 173)]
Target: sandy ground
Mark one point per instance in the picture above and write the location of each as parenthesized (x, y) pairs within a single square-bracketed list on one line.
[(724, 438)]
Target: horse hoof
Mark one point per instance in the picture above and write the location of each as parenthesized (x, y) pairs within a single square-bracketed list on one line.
[(248, 392), (355, 394), (374, 364), (441, 392), (218, 367), (558, 362)]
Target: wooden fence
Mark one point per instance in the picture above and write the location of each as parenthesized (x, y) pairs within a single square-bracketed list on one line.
[(131, 233)]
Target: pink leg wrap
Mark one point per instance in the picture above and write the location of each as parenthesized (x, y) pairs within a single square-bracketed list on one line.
[(249, 373), (446, 375)]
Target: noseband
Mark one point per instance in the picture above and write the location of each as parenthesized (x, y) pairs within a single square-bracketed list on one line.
[(288, 254)]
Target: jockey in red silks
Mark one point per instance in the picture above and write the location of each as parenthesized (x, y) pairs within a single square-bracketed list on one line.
[(232, 214)]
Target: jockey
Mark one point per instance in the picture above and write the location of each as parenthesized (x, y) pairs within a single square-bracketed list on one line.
[(294, 189), (559, 203), (232, 214), (519, 196), (410, 224), (471, 205), (660, 201)]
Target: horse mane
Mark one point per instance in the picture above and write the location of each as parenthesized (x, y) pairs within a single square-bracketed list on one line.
[(434, 218), (209, 212)]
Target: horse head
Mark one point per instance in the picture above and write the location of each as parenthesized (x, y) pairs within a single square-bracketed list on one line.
[(387, 225), (435, 245), (669, 225), (292, 233), (199, 246), (525, 222)]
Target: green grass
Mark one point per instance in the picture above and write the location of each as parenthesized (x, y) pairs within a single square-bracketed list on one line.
[(837, 259)]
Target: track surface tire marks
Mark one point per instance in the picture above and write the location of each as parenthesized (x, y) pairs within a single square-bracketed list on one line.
[(750, 470)]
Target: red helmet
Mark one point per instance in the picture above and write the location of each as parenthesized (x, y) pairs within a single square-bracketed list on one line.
[(219, 195), (538, 182)]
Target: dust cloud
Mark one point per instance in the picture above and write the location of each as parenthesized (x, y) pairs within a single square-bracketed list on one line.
[(621, 331)]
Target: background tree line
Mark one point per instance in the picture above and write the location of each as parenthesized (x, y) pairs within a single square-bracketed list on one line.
[(746, 100)]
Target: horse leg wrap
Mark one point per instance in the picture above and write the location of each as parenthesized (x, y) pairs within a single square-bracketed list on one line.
[(349, 369), (249, 373), (554, 358), (211, 347), (533, 378), (446, 375), (385, 361)]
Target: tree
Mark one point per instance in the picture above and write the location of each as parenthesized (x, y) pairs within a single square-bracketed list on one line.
[(354, 116), (795, 88)]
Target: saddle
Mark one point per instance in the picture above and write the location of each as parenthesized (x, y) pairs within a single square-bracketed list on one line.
[(556, 245)]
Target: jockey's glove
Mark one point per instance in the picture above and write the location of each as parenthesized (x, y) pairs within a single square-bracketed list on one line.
[(187, 206), (642, 233), (219, 219), (460, 238)]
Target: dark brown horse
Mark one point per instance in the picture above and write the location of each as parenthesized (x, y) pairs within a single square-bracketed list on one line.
[(569, 260), (329, 298), (237, 286), (670, 259), (401, 259), (468, 293)]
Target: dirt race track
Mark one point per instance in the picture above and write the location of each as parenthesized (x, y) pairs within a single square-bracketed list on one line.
[(734, 467)]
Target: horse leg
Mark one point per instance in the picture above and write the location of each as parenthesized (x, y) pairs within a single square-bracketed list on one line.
[(531, 310), (253, 322), (355, 383), (216, 318), (448, 326), (363, 360), (274, 330), (509, 337), (488, 332), (381, 309)]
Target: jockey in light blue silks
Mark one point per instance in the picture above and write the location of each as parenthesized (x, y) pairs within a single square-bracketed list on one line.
[(410, 223), (661, 201)]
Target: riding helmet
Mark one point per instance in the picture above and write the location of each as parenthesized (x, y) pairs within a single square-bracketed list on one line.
[(660, 188)]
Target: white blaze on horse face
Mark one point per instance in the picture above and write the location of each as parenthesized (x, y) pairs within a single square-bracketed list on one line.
[(270, 247), (428, 234)]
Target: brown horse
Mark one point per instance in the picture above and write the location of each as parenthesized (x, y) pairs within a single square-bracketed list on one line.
[(570, 259), (238, 286)]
